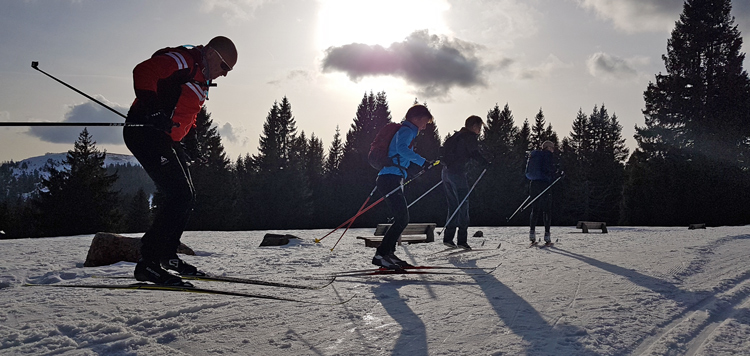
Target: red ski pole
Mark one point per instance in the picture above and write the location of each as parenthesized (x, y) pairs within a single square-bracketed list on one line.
[(375, 203), (352, 220)]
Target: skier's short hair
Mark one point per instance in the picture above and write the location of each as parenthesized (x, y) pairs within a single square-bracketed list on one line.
[(472, 121), (418, 110)]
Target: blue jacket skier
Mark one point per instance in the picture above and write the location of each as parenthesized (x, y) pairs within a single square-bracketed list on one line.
[(390, 177)]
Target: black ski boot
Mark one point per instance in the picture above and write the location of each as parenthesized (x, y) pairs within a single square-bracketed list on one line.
[(385, 262), (181, 267), (401, 263), (151, 271)]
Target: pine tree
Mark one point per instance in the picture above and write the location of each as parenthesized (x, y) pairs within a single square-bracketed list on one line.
[(246, 180), (212, 179), (702, 103), (538, 132), (333, 159), (78, 198), (593, 158), (692, 158), (503, 181), (279, 195), (523, 142), (357, 177)]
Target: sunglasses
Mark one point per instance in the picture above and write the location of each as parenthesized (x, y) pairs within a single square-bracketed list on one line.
[(224, 66)]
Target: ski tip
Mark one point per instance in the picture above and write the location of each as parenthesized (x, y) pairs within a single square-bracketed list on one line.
[(317, 241)]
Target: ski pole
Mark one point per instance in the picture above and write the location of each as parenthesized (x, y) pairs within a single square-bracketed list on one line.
[(352, 220), (519, 209), (533, 200), (540, 194), (35, 65), (18, 123), (376, 202), (425, 193), (462, 202)]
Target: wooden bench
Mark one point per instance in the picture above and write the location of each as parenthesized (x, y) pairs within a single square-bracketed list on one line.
[(586, 225), (413, 233)]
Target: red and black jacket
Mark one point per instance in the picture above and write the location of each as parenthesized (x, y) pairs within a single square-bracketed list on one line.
[(172, 81)]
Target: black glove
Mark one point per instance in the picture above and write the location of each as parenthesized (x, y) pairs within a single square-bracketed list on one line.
[(162, 121)]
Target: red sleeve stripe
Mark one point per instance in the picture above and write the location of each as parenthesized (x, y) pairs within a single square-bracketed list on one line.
[(197, 90), (181, 63)]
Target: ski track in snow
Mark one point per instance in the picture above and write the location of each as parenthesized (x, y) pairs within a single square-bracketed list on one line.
[(633, 291)]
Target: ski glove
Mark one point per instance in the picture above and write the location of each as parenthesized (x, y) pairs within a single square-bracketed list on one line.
[(161, 121)]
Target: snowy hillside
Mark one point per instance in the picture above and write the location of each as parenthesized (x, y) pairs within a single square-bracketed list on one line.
[(640, 291), (29, 165)]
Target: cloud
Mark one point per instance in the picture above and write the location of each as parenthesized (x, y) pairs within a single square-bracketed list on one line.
[(234, 10), (499, 22), (297, 74), (434, 64), (602, 64), (232, 134), (544, 70), (637, 15), (86, 112)]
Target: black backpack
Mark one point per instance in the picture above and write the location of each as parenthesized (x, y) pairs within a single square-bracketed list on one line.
[(449, 154), (534, 166)]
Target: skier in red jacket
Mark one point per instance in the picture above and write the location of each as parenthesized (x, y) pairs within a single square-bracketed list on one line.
[(170, 88)]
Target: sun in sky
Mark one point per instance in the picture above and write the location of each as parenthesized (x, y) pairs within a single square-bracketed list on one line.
[(380, 22)]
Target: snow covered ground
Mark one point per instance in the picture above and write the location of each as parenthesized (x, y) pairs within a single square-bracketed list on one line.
[(643, 291)]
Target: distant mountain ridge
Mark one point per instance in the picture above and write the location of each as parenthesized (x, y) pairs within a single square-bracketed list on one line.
[(24, 177), (31, 164)]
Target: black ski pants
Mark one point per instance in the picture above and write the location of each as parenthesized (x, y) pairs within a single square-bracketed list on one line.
[(398, 208), (164, 161), (543, 205), (456, 189)]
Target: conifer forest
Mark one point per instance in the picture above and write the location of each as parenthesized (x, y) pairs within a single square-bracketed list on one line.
[(691, 163)]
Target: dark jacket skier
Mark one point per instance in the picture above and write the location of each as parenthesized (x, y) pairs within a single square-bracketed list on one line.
[(457, 151), (540, 170)]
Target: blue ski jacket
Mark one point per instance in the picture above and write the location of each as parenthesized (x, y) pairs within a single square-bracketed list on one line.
[(402, 151)]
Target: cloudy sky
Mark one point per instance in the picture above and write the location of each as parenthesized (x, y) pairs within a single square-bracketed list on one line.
[(461, 57)]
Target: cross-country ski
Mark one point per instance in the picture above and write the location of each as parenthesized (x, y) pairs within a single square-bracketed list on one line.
[(165, 288)]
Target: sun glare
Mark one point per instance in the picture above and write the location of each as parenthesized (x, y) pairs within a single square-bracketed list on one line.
[(379, 22)]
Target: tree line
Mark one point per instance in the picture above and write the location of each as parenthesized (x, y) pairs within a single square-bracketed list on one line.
[(690, 166)]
